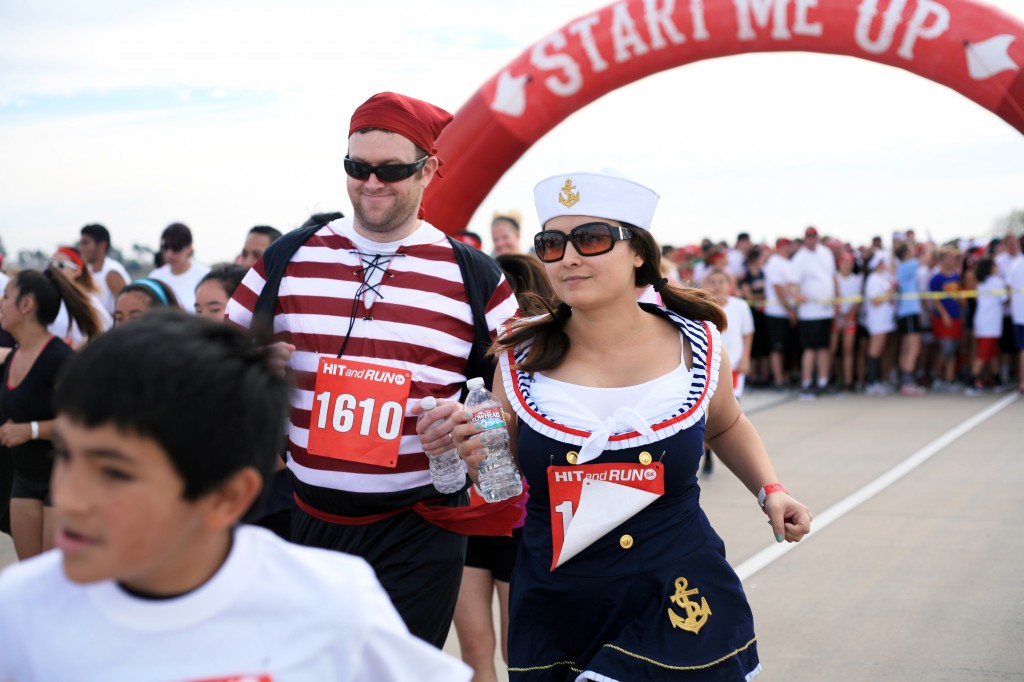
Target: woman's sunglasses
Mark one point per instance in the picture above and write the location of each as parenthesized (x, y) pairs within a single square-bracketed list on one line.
[(589, 239), (391, 173)]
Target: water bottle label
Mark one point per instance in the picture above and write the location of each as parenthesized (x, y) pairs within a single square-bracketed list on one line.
[(358, 411), (489, 417)]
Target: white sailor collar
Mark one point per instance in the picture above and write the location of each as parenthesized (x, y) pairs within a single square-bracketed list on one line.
[(705, 345)]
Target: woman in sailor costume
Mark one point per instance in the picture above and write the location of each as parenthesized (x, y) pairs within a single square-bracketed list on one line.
[(620, 577)]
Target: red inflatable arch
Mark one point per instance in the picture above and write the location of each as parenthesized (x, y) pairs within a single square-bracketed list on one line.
[(963, 44)]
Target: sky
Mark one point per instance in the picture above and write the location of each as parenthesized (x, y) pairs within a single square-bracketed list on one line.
[(227, 114)]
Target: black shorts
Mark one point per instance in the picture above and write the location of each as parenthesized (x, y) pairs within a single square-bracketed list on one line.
[(816, 334), (778, 333), (418, 564), (494, 554), (908, 324), (24, 487), (760, 347)]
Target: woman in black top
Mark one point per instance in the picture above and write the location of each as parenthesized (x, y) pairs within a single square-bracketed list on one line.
[(30, 303)]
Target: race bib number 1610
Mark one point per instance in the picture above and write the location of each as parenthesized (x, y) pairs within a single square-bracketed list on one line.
[(358, 411)]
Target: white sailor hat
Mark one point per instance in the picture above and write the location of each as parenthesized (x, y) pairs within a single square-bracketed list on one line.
[(603, 194)]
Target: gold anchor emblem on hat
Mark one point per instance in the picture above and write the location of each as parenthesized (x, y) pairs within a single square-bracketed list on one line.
[(696, 615), (570, 198)]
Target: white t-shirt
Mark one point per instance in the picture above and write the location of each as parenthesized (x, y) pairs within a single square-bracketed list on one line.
[(849, 286), (100, 278), (988, 315), (183, 285), (1016, 282), (777, 270), (1005, 262), (879, 318), (814, 272), (736, 263), (741, 323), (274, 612)]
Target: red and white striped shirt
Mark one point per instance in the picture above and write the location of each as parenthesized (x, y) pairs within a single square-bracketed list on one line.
[(415, 316)]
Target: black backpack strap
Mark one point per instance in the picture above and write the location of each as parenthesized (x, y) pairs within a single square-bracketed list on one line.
[(275, 261), (480, 274)]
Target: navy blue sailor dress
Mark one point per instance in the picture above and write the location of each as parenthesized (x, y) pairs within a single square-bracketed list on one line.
[(615, 582)]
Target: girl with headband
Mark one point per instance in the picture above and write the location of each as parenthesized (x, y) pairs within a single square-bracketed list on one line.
[(139, 297), (69, 261)]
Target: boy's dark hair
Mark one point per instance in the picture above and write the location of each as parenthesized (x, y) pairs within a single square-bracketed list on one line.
[(177, 235), (266, 230), (97, 233), (198, 388), (228, 276)]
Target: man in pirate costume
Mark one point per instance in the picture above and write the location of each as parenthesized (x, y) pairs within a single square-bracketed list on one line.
[(620, 576), (381, 312)]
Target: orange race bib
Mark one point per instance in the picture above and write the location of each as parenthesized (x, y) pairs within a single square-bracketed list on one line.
[(590, 500), (358, 411), (240, 678)]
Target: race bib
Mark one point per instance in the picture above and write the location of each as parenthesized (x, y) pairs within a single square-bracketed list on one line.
[(241, 678), (590, 500), (358, 411)]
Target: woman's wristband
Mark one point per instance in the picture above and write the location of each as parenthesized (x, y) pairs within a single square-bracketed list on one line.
[(35, 430), (767, 490)]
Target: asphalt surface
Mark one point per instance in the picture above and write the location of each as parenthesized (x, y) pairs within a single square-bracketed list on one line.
[(921, 580)]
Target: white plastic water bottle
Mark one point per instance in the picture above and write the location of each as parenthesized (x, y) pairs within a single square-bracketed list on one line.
[(499, 476), (447, 470)]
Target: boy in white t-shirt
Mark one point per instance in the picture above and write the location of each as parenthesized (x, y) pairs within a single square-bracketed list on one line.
[(1015, 281), (166, 429), (738, 336), (988, 325)]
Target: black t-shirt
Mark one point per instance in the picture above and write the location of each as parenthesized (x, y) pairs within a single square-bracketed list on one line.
[(32, 400)]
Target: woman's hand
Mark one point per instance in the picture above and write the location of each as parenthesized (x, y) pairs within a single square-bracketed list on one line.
[(790, 520), (12, 435), (471, 440)]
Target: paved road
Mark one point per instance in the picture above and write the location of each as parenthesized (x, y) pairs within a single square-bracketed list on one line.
[(921, 580)]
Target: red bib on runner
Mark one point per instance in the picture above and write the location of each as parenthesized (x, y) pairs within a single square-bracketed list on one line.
[(358, 411), (590, 500)]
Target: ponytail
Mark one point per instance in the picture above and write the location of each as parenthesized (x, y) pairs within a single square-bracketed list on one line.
[(49, 288), (549, 343)]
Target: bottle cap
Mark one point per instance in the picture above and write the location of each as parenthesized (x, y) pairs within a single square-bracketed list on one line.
[(428, 403), (474, 383)]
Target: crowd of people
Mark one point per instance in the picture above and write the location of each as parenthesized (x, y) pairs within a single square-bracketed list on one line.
[(913, 316), (138, 436)]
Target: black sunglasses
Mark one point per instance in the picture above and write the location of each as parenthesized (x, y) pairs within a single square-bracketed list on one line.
[(589, 239), (172, 247), (391, 173)]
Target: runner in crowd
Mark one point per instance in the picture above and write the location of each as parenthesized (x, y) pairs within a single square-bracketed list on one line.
[(946, 323), (30, 304), (604, 384), (1016, 284), (489, 560), (257, 241), (505, 232), (813, 274), (70, 261), (141, 296), (988, 326), (215, 289), (751, 289), (779, 310), (403, 308), (844, 331), (109, 275), (908, 318), (179, 271), (154, 578), (879, 318)]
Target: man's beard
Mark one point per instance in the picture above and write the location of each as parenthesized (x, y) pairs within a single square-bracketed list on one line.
[(402, 210)]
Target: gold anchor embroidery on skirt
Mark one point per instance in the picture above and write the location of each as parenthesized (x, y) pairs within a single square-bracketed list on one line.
[(570, 197), (696, 615)]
